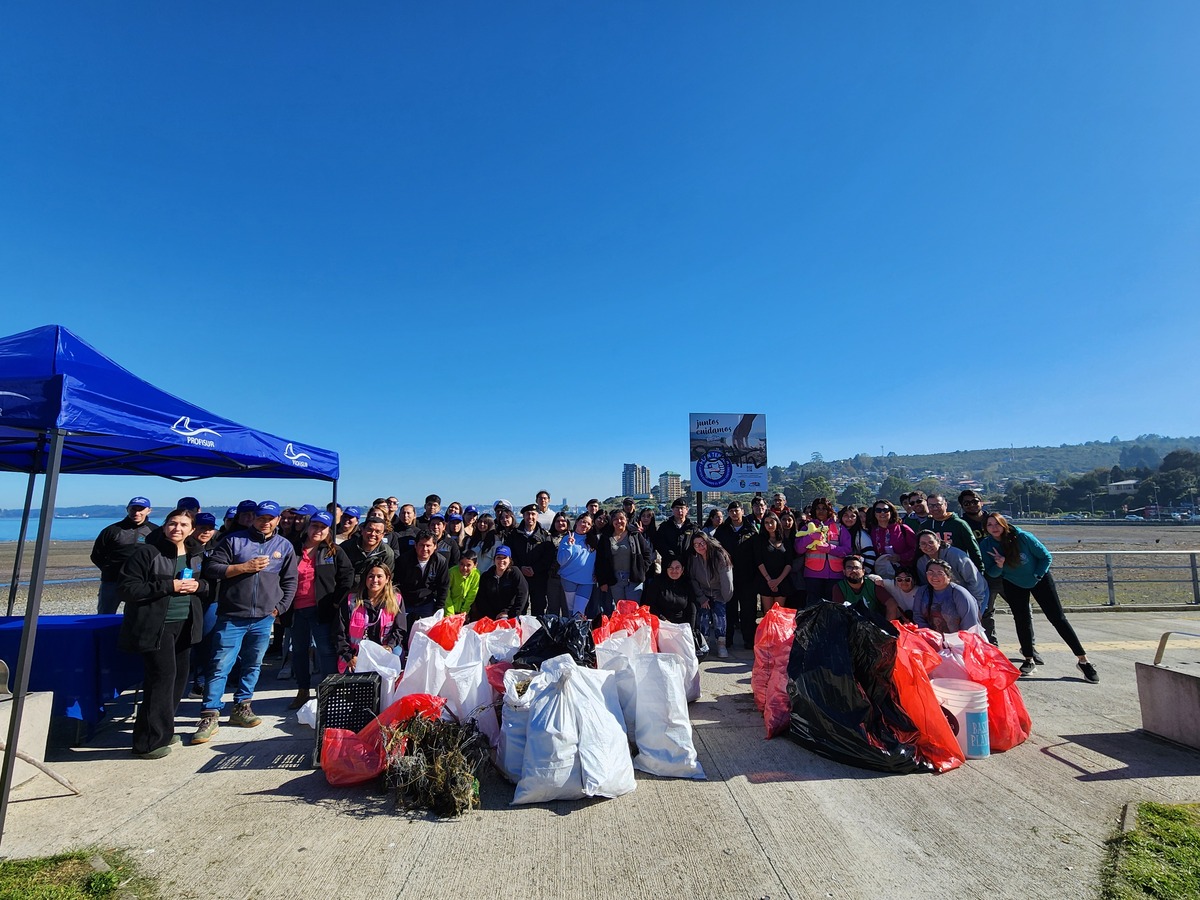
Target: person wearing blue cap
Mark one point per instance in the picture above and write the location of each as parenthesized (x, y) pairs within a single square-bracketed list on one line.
[(256, 568), (191, 504), (324, 576), (347, 525), (113, 547)]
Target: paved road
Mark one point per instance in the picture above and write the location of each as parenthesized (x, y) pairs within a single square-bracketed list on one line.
[(246, 817)]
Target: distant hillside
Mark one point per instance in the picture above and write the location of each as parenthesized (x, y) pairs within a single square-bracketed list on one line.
[(998, 465)]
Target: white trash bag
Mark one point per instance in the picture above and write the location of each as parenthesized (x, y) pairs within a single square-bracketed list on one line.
[(616, 654), (664, 730), (575, 744), (680, 642), (374, 657)]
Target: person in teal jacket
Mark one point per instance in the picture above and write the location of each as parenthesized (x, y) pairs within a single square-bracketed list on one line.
[(1024, 563)]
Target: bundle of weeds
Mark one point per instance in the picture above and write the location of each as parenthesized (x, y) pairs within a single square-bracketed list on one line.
[(432, 764)]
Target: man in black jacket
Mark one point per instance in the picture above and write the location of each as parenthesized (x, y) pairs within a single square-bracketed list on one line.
[(423, 579), (114, 545), (533, 555), (673, 539), (736, 535)]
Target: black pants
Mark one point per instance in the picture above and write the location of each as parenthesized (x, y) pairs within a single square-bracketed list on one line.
[(741, 613), (162, 688), (537, 594), (1046, 595)]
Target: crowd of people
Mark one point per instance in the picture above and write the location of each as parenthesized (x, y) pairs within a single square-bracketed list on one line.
[(203, 602)]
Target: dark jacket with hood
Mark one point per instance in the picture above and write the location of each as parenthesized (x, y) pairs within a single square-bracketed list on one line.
[(116, 543), (605, 574), (147, 585)]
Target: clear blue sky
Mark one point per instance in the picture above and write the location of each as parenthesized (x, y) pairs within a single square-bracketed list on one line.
[(482, 249)]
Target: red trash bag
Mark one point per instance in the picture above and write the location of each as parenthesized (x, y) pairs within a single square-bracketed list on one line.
[(486, 625), (495, 674), (777, 705), (446, 631), (630, 617), (402, 710), (772, 646), (934, 738), (1009, 723), (602, 632), (348, 759)]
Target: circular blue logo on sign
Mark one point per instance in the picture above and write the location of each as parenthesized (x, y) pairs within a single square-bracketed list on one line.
[(714, 470)]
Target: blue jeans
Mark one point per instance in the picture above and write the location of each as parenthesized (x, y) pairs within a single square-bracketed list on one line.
[(236, 638), (202, 652), (108, 601), (307, 630), (715, 615), (623, 590)]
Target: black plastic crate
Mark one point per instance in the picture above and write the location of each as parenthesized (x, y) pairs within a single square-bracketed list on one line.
[(348, 701)]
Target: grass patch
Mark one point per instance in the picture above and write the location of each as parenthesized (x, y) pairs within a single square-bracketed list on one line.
[(69, 876), (1160, 858)]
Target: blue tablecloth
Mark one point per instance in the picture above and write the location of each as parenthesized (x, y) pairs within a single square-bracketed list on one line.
[(77, 658)]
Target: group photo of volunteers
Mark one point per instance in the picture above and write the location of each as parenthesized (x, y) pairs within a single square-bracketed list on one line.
[(206, 600)]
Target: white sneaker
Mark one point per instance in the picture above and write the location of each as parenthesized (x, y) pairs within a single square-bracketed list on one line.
[(722, 650)]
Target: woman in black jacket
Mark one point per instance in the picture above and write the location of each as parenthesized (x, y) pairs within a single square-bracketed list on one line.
[(163, 619), (503, 592), (671, 597), (620, 561)]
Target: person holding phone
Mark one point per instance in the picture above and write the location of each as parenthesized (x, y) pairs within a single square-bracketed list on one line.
[(164, 617)]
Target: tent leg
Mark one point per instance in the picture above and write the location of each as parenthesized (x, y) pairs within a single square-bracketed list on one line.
[(29, 632), (20, 556)]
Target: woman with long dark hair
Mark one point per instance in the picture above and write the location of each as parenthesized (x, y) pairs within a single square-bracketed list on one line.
[(1024, 562), (773, 557), (824, 545), (620, 562), (483, 541), (895, 543), (860, 536), (556, 598), (324, 576), (162, 591), (373, 612), (576, 565), (711, 571)]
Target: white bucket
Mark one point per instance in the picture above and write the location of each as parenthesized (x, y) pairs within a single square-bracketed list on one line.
[(965, 704)]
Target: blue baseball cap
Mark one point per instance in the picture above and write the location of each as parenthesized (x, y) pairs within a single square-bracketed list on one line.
[(322, 518), (354, 512), (472, 509), (187, 503), (436, 516), (454, 517), (306, 510), (247, 504), (503, 550), (205, 520), (139, 501), (267, 508), (231, 513)]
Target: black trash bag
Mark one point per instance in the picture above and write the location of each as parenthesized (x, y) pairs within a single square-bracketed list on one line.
[(840, 685), (558, 635)]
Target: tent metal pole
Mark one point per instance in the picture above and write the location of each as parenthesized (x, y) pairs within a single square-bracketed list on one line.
[(29, 632), (20, 555)]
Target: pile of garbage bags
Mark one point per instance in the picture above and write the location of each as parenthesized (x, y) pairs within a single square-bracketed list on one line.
[(855, 688), (559, 702)]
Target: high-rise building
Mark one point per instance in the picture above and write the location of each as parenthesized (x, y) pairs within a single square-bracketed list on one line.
[(635, 481), (669, 487)]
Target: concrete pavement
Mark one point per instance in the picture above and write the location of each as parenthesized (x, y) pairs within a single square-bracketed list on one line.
[(246, 816)]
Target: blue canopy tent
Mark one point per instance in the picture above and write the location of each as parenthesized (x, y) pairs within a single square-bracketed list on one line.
[(67, 408)]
